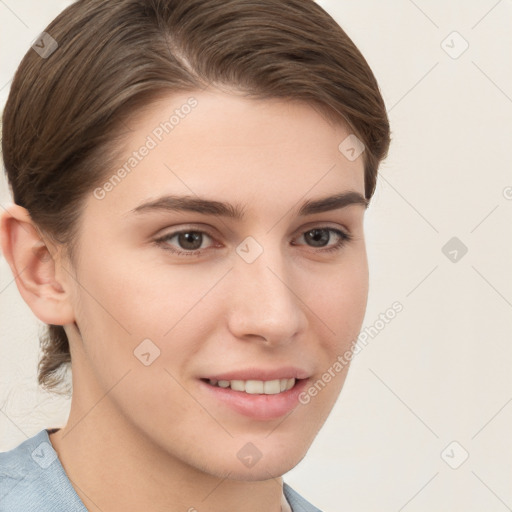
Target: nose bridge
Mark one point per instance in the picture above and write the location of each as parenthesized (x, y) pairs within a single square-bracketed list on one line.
[(263, 302)]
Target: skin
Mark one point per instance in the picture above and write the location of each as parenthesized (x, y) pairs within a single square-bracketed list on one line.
[(148, 437)]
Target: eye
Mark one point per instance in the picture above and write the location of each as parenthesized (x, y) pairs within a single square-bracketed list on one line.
[(189, 242), (321, 236)]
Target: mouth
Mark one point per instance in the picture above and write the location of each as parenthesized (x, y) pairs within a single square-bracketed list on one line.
[(257, 399), (255, 387)]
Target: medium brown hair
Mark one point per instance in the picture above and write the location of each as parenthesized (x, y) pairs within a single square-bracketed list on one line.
[(62, 123)]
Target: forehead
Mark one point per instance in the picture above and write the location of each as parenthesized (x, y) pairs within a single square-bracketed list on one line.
[(214, 144)]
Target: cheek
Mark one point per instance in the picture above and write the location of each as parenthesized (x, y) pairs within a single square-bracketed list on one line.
[(338, 299), (354, 295), (124, 292), (123, 301), (111, 310), (337, 318)]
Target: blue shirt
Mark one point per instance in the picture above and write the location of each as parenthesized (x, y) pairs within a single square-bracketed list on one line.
[(32, 479)]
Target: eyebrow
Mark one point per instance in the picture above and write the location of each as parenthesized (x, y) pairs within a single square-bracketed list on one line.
[(236, 211)]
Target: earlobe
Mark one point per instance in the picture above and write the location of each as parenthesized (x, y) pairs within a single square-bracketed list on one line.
[(33, 264)]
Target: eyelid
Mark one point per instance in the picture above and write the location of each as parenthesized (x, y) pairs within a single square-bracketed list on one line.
[(183, 228), (319, 224), (202, 228), (344, 235), (162, 239)]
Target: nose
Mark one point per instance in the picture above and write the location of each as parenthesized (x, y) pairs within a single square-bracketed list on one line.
[(263, 303)]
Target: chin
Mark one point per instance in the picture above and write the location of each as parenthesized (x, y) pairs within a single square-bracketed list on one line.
[(270, 462), (261, 471)]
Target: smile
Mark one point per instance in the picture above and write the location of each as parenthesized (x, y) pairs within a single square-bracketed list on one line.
[(255, 387), (261, 400)]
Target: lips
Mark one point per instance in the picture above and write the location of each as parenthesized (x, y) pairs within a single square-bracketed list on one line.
[(255, 405)]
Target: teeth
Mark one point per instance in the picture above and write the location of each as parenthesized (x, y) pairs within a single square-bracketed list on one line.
[(238, 385), (255, 387), (272, 387)]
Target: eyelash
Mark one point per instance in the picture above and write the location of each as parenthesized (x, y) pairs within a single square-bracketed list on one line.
[(344, 238)]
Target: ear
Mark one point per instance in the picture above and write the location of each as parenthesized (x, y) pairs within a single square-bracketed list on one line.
[(33, 263)]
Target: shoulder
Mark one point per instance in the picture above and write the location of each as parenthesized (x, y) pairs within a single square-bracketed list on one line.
[(296, 501), (32, 479)]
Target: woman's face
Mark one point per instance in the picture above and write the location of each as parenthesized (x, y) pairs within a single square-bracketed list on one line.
[(257, 287)]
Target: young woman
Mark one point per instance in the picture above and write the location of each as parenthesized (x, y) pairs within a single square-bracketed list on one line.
[(189, 181)]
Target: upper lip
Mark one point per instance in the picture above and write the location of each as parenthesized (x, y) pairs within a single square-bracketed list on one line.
[(285, 372)]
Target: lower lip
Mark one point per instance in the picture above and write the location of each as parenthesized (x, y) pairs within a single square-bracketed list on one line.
[(258, 406)]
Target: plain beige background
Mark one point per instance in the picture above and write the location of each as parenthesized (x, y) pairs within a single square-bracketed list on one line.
[(424, 420)]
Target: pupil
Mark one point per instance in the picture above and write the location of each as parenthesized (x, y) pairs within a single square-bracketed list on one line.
[(191, 237), (319, 235)]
